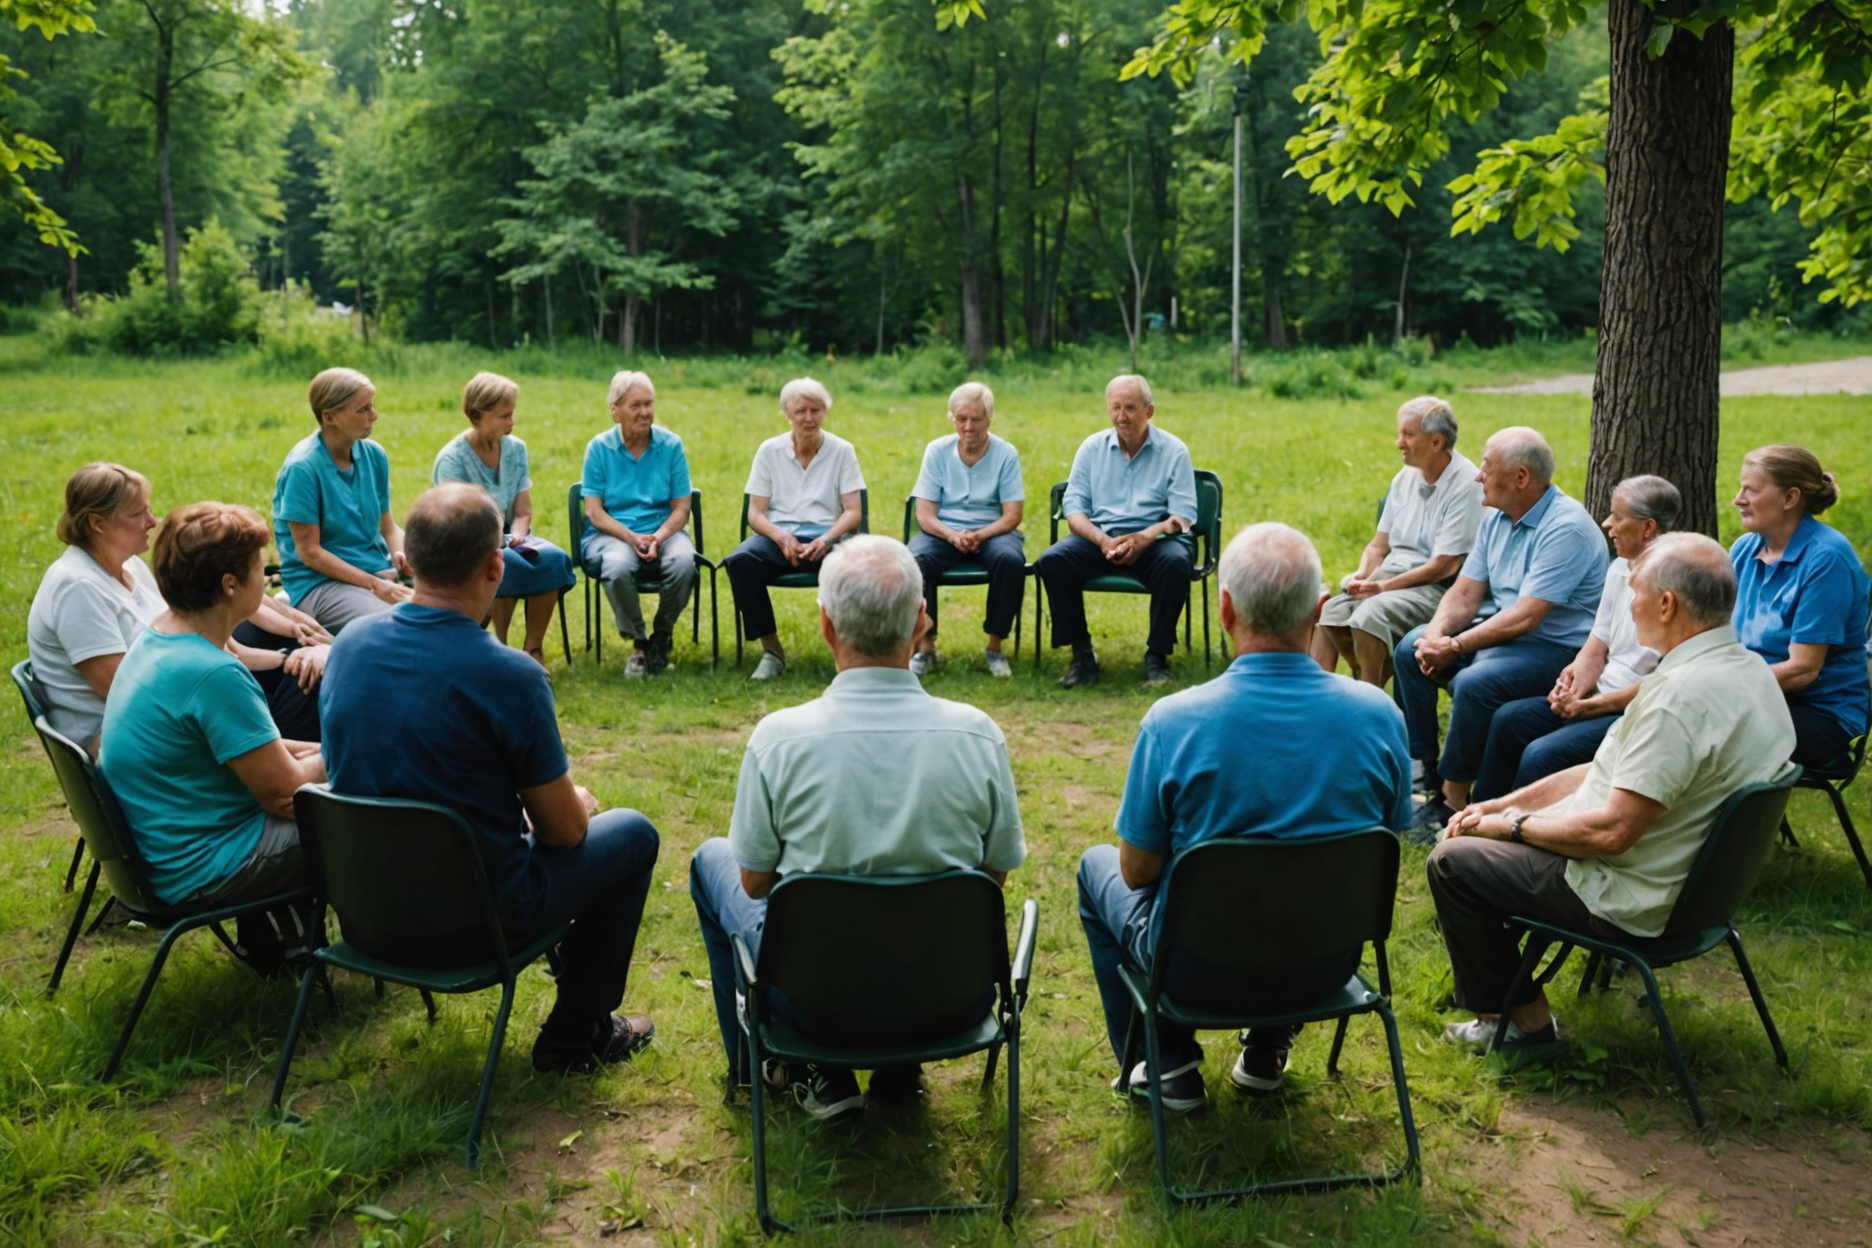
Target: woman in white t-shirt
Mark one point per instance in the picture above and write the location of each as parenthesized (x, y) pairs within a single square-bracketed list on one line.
[(97, 597), (1536, 737)]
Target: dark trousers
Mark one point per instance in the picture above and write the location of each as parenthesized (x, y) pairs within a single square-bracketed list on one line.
[(295, 712), (1163, 568), (600, 886), (1528, 742), (1819, 739), (751, 567), (1004, 556), (1479, 684), (1477, 884)]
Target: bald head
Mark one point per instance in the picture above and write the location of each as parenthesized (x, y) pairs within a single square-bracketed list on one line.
[(451, 532), (1520, 447), (1695, 571)]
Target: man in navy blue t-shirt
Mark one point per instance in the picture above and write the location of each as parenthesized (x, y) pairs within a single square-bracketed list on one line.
[(433, 708)]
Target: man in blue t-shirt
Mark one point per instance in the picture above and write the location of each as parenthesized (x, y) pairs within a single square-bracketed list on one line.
[(469, 723), (1272, 747)]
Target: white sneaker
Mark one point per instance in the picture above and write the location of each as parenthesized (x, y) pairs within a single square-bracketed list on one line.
[(998, 664), (1479, 1033), (923, 662), (637, 664), (770, 666)]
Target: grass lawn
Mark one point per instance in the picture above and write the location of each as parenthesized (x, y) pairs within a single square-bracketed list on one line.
[(179, 1150)]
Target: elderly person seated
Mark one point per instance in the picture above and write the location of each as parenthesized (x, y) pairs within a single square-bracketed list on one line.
[(969, 501), (803, 497), (1521, 607), (1130, 486), (1534, 737), (203, 777), (472, 727), (636, 491), (96, 598), (1801, 599), (340, 549), (1425, 530), (1328, 756), (488, 455), (1606, 846), (874, 777)]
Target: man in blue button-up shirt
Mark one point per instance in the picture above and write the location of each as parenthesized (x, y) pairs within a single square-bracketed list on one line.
[(1130, 498), (1521, 607)]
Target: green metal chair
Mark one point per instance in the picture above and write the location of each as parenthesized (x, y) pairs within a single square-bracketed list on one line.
[(114, 855), (364, 854), (1833, 780), (1250, 907), (968, 575), (878, 962), (1726, 868), (32, 694), (804, 579), (576, 524), (1206, 538)]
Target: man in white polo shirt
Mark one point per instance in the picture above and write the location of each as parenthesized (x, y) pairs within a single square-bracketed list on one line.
[(875, 777)]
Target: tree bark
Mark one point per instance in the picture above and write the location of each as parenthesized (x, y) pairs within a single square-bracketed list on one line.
[(1270, 297), (165, 191), (974, 339), (627, 327), (1656, 390)]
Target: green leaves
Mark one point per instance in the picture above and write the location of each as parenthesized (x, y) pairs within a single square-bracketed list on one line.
[(20, 152), (1535, 181)]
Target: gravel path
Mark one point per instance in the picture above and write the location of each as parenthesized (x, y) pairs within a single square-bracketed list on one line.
[(1852, 376)]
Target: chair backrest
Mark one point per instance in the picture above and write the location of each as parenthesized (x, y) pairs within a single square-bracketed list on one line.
[(1740, 842), (884, 958), (100, 820), (576, 521), (1056, 502), (31, 692), (1208, 518), (864, 514), (911, 527), (1255, 906), (398, 873)]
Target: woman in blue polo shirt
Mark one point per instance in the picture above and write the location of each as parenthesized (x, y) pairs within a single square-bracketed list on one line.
[(1801, 599), (340, 549)]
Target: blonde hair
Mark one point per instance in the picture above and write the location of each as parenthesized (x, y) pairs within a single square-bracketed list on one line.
[(486, 391), (1793, 467), (334, 388), (97, 491)]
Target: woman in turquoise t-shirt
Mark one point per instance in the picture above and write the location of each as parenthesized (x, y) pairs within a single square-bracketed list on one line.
[(488, 455)]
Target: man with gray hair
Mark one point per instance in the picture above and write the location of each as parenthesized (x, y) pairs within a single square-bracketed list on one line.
[(874, 777), (1425, 529), (1521, 607), (1327, 756), (1606, 846)]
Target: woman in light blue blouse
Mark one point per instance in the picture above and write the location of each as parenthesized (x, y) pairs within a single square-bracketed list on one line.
[(488, 455), (1801, 599)]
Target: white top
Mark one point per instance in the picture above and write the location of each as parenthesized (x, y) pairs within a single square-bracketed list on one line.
[(1423, 521), (799, 497), (83, 612), (1627, 662)]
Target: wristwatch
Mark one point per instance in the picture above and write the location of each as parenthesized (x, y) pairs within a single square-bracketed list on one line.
[(1514, 827)]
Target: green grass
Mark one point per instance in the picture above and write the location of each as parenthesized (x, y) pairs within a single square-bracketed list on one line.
[(179, 1151)]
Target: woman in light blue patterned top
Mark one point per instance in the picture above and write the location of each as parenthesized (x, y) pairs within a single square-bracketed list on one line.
[(488, 455)]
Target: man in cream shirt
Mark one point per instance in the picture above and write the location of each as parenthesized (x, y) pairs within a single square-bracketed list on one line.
[(1606, 846)]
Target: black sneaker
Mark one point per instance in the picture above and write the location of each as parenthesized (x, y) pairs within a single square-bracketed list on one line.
[(896, 1083), (1262, 1066), (617, 1039), (656, 655), (1084, 671), (1156, 669), (1181, 1088), (828, 1094), (1428, 823)]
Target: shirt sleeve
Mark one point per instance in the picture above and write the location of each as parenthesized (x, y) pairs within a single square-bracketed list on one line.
[(1398, 751), (1476, 566), (751, 835), (1182, 485), (380, 473), (927, 487), (1462, 518), (680, 486), (299, 501), (231, 712), (1143, 813), (535, 754), (1012, 486), (1006, 845), (1078, 498), (85, 623), (1387, 510), (1563, 560), (444, 468), (1829, 600), (1658, 758), (851, 480), (522, 468), (593, 477), (759, 478)]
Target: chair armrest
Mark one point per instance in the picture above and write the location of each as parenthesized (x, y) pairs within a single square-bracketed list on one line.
[(1024, 946), (744, 964)]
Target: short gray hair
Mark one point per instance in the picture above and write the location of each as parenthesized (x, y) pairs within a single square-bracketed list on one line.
[(624, 381), (1694, 568), (1651, 498), (1433, 416), (870, 587), (1271, 574), (1520, 447), (1131, 379), (452, 530), (972, 392), (803, 388)]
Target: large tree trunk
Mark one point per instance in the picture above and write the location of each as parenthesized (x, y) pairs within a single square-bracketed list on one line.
[(165, 192), (1656, 391), (974, 339), (627, 327), (1271, 267)]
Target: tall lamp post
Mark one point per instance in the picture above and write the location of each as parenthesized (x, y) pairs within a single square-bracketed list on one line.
[(1240, 98)]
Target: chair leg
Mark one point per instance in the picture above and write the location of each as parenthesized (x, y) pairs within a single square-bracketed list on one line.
[(97, 920), (292, 1033), (487, 1073), (1013, 1141), (1338, 1043), (142, 999), (757, 1088), (714, 621), (1536, 945), (565, 632), (71, 933), (1039, 622), (227, 941), (1414, 1161), (1153, 1067), (71, 872), (331, 998), (1205, 599), (1670, 1043), (1189, 615), (1755, 994), (988, 1071), (1787, 834), (1852, 833), (428, 1000), (1593, 961)]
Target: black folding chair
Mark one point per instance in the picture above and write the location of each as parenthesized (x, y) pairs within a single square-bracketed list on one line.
[(114, 855), (364, 853), (967, 576), (1833, 780), (577, 523), (1248, 909), (1207, 539), (804, 578), (32, 693), (1726, 868), (883, 965)]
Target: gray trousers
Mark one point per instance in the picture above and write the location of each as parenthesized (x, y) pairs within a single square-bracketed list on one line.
[(336, 603), (618, 564), (276, 865)]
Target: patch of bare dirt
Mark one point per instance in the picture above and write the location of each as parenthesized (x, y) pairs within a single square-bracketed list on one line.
[(1852, 376)]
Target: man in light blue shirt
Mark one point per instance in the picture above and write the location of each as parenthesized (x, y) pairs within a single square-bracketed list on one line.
[(1130, 486), (969, 502), (1274, 746), (1520, 609)]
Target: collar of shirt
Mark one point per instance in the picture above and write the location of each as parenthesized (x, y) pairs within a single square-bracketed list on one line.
[(1111, 441), (1531, 518), (871, 681), (1797, 544), (1282, 663), (1687, 651)]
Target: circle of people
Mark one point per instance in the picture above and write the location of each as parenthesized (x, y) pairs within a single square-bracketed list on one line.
[(1601, 707)]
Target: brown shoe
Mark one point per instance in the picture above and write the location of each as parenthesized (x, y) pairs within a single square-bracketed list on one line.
[(617, 1039)]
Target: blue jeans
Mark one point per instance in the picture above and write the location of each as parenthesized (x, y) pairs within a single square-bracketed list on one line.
[(1528, 742), (1003, 556), (724, 910), (1479, 684)]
